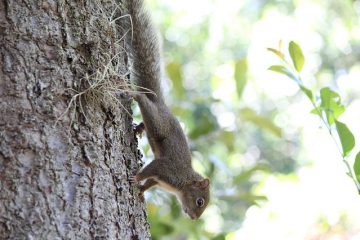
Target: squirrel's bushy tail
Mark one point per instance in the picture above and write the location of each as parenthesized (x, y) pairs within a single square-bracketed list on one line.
[(144, 48)]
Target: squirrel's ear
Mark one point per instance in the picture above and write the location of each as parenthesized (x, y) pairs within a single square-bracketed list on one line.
[(205, 183), (202, 183)]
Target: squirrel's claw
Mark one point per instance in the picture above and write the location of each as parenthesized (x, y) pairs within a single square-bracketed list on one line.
[(133, 179)]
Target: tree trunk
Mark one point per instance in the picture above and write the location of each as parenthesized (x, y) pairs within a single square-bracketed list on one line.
[(67, 145)]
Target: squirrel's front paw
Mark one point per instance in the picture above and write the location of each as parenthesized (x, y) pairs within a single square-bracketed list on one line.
[(139, 129), (135, 95), (133, 179), (141, 196)]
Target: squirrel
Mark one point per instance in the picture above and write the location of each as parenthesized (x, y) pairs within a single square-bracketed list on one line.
[(171, 168)]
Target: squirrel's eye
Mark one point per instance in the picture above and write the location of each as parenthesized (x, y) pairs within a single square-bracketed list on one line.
[(200, 202)]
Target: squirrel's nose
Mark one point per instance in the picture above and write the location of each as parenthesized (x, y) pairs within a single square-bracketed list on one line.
[(193, 216)]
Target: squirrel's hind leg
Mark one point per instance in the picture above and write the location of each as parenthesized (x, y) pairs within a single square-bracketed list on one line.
[(148, 184), (150, 170)]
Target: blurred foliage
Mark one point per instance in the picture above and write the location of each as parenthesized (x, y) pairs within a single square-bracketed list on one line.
[(236, 130), (328, 107)]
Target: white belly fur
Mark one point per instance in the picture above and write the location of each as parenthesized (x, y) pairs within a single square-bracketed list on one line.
[(167, 187)]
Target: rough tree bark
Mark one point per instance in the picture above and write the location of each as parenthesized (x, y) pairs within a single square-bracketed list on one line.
[(65, 176)]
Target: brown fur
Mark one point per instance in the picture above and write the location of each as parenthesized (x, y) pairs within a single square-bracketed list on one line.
[(171, 169)]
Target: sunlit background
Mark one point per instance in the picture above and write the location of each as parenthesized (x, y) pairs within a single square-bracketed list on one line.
[(275, 171)]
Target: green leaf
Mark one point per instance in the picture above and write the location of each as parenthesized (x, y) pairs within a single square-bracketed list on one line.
[(357, 167), (316, 111), (228, 138), (276, 52), (331, 104), (297, 56), (250, 115), (279, 69), (347, 139), (283, 70), (173, 70), (307, 92), (161, 229), (204, 121), (221, 236), (240, 76), (280, 45), (175, 209)]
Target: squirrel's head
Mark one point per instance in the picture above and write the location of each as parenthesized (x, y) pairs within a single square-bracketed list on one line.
[(195, 197)]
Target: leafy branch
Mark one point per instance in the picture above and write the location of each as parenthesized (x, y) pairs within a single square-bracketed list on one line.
[(327, 106)]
